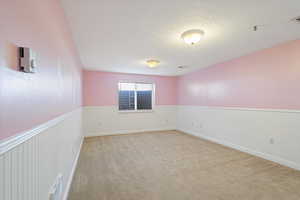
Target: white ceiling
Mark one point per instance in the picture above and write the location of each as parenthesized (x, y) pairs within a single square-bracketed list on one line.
[(120, 35)]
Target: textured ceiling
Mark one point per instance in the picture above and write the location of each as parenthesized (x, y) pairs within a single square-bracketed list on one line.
[(120, 35)]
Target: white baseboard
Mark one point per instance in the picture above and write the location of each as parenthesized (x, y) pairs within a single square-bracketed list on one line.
[(269, 157), (127, 132), (69, 183)]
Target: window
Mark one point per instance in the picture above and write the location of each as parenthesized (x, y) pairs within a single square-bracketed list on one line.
[(136, 96)]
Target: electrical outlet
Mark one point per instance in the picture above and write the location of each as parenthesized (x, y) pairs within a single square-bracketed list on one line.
[(271, 141)]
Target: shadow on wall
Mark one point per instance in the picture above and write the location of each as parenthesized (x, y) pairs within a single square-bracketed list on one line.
[(9, 56)]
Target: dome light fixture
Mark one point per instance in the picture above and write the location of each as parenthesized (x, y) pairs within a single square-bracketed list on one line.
[(152, 63), (192, 36)]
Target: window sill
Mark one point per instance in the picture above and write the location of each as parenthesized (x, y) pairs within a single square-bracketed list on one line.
[(135, 111)]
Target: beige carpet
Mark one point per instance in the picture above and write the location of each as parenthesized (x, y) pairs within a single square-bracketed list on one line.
[(174, 166)]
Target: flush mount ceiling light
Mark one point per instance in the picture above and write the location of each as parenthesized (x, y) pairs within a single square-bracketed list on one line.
[(152, 63), (192, 36)]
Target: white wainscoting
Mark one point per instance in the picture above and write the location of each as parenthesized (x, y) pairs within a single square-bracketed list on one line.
[(270, 134), (30, 163), (107, 120)]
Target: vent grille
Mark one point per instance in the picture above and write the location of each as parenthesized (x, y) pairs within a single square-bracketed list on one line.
[(182, 67)]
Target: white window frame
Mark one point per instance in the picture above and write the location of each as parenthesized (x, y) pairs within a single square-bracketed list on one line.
[(135, 98)]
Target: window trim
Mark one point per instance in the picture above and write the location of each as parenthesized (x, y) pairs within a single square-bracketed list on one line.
[(135, 98)]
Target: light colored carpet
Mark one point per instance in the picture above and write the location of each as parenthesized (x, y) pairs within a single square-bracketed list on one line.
[(174, 166)]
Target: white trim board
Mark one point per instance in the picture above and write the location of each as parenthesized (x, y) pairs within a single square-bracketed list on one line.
[(116, 107), (243, 108), (15, 140), (68, 186), (246, 150), (126, 132)]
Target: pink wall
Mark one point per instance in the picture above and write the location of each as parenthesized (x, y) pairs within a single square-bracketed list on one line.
[(268, 78), (101, 88), (27, 100), (265, 79)]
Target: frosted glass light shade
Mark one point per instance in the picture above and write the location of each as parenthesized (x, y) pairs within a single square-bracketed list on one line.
[(152, 63), (192, 36)]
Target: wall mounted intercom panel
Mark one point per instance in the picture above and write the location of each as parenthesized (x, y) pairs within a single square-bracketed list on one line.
[(27, 60)]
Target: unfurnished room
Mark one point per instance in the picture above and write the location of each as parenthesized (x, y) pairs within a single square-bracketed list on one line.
[(149, 100)]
